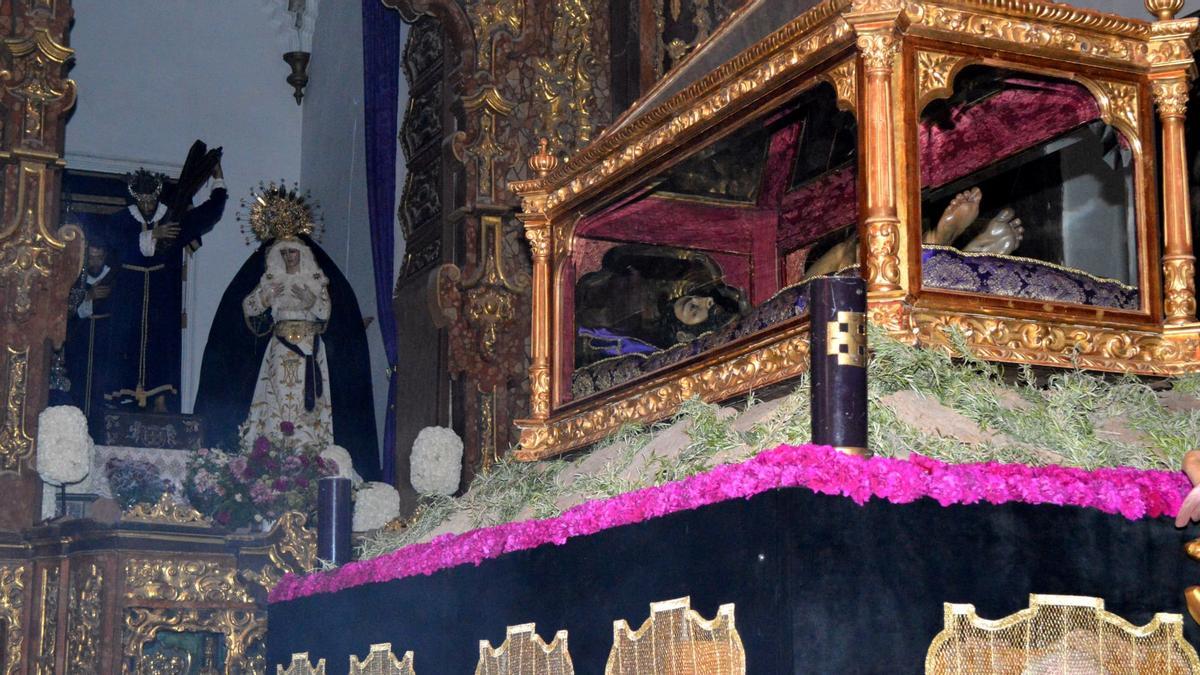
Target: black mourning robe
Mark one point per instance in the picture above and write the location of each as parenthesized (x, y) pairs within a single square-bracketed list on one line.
[(234, 353)]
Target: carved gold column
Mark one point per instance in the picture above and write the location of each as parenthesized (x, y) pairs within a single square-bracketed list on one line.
[(537, 230), (878, 24), (38, 259), (1172, 68)]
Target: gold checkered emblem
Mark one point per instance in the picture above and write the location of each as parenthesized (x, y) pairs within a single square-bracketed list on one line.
[(846, 338)]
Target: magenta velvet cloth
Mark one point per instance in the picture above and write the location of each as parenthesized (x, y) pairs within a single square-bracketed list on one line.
[(1132, 493)]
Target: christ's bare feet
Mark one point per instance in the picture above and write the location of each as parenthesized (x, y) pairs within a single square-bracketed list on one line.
[(1001, 236), (957, 217)]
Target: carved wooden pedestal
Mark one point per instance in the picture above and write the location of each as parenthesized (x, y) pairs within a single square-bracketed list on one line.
[(151, 594)]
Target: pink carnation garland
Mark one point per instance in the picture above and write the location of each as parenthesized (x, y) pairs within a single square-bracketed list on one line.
[(1132, 493)]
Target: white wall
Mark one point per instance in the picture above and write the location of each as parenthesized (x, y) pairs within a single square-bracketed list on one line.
[(153, 76), (334, 165)]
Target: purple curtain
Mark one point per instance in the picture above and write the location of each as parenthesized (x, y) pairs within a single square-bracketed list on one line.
[(381, 82)]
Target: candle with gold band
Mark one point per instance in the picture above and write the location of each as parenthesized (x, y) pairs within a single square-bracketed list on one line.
[(837, 308)]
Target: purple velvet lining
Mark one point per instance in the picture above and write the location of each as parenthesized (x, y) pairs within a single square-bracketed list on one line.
[(1013, 277)]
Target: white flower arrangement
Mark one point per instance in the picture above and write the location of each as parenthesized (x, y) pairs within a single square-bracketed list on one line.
[(64, 448), (436, 461), (345, 466), (375, 505)]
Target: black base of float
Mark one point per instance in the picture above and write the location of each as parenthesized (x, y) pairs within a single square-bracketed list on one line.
[(821, 585)]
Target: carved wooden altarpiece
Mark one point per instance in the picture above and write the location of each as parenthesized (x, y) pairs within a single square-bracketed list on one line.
[(487, 79)]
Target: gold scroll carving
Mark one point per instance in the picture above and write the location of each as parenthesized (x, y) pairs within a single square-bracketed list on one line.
[(166, 511), (524, 651), (1068, 346), (676, 639), (300, 665), (12, 613), (1060, 634), (85, 608), (381, 661), (1026, 24), (294, 551), (16, 445), (243, 629), (48, 630), (176, 580), (935, 76), (844, 78)]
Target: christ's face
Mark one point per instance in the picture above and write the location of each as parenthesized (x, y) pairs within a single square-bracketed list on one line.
[(147, 204), (291, 260), (692, 310)]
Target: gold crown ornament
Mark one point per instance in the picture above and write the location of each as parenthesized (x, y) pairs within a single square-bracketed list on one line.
[(277, 211)]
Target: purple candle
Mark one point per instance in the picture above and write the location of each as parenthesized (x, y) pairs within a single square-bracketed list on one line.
[(333, 520)]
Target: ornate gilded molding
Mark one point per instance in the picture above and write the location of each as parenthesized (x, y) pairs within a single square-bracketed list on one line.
[(489, 19), (883, 253), (893, 316), (675, 637), (878, 50), (166, 511), (1063, 345), (16, 445), (174, 580), (381, 661), (48, 620), (524, 651), (85, 611), (1179, 289), (784, 356), (1171, 97), (294, 551), (1024, 24), (788, 50), (36, 82), (12, 613), (844, 78), (243, 629), (1119, 106), (485, 150), (935, 76)]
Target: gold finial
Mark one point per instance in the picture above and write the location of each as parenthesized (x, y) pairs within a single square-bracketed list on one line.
[(1165, 10), (543, 162)]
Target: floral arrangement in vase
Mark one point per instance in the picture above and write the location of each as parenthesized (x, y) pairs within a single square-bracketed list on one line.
[(135, 481), (272, 476)]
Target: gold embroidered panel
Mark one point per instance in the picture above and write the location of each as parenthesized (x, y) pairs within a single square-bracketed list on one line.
[(1059, 634), (676, 639), (381, 661), (524, 652)]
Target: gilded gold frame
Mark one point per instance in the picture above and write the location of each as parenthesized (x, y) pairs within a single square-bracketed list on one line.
[(1131, 66)]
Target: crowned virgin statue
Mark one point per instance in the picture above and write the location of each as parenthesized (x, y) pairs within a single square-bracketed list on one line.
[(292, 299), (287, 353)]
